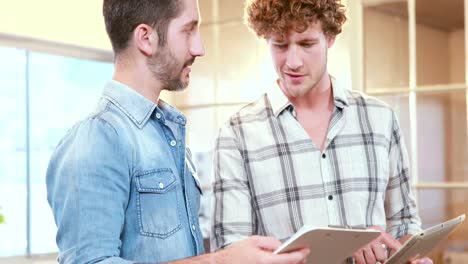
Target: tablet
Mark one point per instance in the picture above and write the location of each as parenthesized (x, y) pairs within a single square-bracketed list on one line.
[(422, 243), (328, 245)]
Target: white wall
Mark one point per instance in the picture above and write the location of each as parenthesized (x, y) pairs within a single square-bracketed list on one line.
[(77, 23)]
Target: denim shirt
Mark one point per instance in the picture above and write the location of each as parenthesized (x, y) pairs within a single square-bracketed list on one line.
[(122, 186)]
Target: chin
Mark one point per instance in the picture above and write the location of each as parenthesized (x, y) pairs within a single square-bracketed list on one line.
[(297, 91)]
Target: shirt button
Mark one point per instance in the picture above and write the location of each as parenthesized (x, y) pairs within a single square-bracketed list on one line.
[(324, 156), (181, 119), (193, 227), (161, 185), (158, 115), (173, 143), (330, 197)]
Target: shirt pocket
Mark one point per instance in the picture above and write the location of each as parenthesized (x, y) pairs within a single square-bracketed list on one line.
[(158, 203)]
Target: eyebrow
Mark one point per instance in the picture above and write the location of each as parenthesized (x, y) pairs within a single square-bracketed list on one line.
[(277, 40), (191, 24), (304, 40), (309, 40)]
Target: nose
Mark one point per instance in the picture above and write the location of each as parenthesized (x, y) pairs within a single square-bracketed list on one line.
[(293, 60), (197, 49)]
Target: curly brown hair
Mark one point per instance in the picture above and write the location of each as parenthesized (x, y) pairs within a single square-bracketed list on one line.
[(277, 17)]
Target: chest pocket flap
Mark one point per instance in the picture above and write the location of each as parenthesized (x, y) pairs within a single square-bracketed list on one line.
[(157, 181)]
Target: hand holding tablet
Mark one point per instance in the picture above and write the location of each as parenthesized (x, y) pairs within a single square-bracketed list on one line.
[(422, 243)]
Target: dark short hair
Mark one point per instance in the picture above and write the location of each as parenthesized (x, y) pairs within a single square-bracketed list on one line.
[(267, 17), (123, 16)]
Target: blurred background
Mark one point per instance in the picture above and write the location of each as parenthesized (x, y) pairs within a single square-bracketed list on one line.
[(55, 59)]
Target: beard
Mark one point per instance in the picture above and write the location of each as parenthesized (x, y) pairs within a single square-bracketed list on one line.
[(168, 69)]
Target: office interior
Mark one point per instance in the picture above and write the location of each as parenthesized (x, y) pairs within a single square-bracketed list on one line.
[(56, 57)]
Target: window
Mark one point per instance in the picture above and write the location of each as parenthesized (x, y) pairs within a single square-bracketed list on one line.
[(62, 91), (59, 91), (13, 151)]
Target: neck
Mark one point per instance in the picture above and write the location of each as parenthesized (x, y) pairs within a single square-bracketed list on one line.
[(319, 98), (135, 74)]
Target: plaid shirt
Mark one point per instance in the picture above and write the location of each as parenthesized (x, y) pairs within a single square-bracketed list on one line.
[(270, 178)]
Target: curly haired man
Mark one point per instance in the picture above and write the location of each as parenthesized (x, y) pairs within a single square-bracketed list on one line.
[(311, 151)]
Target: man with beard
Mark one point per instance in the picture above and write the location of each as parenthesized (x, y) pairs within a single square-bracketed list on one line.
[(121, 183)]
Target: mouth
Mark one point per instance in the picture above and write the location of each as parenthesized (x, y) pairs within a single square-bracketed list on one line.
[(188, 69), (189, 62), (188, 65), (294, 76)]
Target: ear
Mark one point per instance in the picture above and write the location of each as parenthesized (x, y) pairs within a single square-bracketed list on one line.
[(146, 39), (331, 40)]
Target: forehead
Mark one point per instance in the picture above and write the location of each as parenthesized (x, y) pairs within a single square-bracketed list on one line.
[(313, 31), (188, 14)]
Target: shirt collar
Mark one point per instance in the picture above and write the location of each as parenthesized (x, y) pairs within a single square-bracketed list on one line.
[(138, 108), (279, 102)]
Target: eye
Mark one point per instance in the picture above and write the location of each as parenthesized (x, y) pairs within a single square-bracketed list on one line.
[(280, 45), (307, 45), (188, 31)]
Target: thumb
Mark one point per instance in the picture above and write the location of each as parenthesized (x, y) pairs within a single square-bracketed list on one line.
[(267, 243), (297, 256)]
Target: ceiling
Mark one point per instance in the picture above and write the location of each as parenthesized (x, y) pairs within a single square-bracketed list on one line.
[(442, 14)]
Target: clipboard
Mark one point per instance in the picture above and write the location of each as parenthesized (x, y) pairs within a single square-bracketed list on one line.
[(327, 244), (422, 243)]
